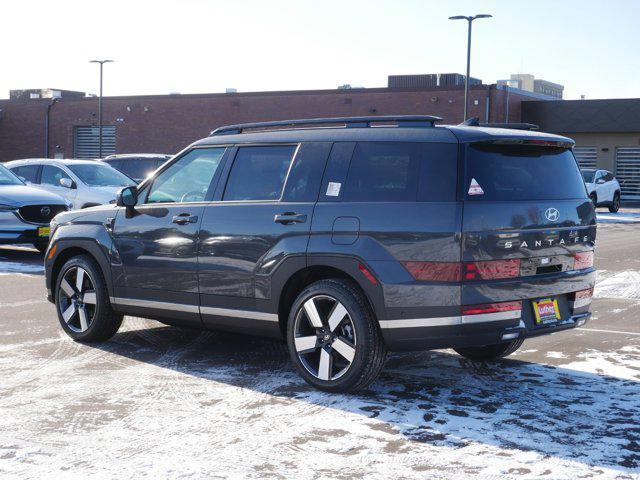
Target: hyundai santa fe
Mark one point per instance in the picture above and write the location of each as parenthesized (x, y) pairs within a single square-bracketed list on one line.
[(348, 237)]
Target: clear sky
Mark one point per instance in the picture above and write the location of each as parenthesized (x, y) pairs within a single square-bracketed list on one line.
[(189, 46)]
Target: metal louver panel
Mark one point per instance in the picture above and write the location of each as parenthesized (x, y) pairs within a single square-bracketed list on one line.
[(628, 171), (587, 157), (85, 141)]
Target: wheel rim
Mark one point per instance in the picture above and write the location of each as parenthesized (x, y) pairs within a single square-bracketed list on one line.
[(77, 299), (324, 337)]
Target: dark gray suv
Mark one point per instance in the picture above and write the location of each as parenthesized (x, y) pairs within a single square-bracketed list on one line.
[(349, 237)]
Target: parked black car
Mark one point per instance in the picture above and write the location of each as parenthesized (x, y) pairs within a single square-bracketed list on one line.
[(348, 240), (137, 166)]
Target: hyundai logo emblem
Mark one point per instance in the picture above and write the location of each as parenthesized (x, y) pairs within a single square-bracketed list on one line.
[(552, 214), (45, 211)]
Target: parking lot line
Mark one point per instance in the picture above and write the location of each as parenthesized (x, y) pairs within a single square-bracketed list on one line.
[(608, 331)]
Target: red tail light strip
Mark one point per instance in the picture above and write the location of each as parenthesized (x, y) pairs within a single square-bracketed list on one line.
[(491, 312), (457, 271), (582, 298), (434, 271), (583, 260)]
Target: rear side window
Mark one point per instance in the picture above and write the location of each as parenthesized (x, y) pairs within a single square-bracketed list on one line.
[(28, 172), (259, 173), (402, 172), (521, 172)]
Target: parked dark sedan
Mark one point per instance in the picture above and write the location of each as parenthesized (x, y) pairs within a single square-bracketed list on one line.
[(137, 166), (25, 212)]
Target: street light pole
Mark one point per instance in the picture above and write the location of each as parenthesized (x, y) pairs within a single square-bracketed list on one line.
[(466, 79), (101, 62)]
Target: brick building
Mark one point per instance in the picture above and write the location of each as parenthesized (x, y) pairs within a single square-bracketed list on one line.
[(168, 123)]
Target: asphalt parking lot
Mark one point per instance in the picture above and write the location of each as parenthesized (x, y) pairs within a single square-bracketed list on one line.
[(163, 402)]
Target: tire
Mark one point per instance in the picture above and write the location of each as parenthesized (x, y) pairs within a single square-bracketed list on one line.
[(41, 245), (594, 199), (615, 205), (337, 347), (85, 313), (490, 352)]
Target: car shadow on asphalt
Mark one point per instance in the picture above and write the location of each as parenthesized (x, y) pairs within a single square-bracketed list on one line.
[(432, 397), (19, 259)]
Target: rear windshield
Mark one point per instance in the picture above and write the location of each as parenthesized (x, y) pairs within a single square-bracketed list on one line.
[(588, 175), (519, 172)]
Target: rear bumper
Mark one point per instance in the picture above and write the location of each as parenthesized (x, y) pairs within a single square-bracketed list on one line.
[(473, 335)]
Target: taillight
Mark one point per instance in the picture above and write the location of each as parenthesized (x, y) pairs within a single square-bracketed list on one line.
[(491, 308), (582, 298), (491, 270), (434, 271), (583, 260), (455, 272)]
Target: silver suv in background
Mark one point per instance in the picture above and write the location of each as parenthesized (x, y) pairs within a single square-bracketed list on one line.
[(603, 188), (25, 212), (83, 183)]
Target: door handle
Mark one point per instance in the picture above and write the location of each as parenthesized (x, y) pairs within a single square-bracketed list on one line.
[(288, 218), (184, 218)]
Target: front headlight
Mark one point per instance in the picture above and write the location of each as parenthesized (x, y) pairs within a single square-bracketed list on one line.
[(7, 208)]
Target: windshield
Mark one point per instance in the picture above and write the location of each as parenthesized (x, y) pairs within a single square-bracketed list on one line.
[(498, 172), (100, 175), (8, 178), (588, 175)]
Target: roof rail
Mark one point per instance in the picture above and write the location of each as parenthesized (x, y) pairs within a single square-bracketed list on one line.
[(475, 122), (349, 122)]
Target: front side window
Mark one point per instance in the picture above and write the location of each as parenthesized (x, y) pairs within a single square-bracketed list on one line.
[(52, 175), (259, 173), (188, 179), (100, 175), (139, 167)]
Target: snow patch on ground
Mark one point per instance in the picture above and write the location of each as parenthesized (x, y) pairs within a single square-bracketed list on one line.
[(160, 402), (18, 267), (555, 355), (625, 284), (620, 217)]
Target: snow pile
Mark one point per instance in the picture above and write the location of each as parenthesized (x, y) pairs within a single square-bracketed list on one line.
[(162, 402), (625, 284)]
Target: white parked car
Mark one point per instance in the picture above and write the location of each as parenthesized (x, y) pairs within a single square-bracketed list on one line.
[(603, 188), (83, 183)]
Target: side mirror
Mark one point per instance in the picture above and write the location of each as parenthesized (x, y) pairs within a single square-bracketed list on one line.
[(600, 181), (66, 182), (127, 197), (23, 179)]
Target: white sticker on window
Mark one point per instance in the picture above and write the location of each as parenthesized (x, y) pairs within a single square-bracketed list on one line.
[(333, 189), (475, 188)]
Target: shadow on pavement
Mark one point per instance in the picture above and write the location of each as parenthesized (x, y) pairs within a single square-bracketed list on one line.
[(20, 259), (431, 397)]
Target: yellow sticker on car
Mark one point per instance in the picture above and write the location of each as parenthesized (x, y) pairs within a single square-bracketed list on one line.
[(44, 231), (546, 311)]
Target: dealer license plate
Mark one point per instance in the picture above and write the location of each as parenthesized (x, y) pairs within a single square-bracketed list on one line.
[(44, 231), (546, 311)]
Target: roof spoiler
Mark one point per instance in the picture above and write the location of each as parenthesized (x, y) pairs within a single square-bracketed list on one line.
[(347, 122), (475, 122)]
